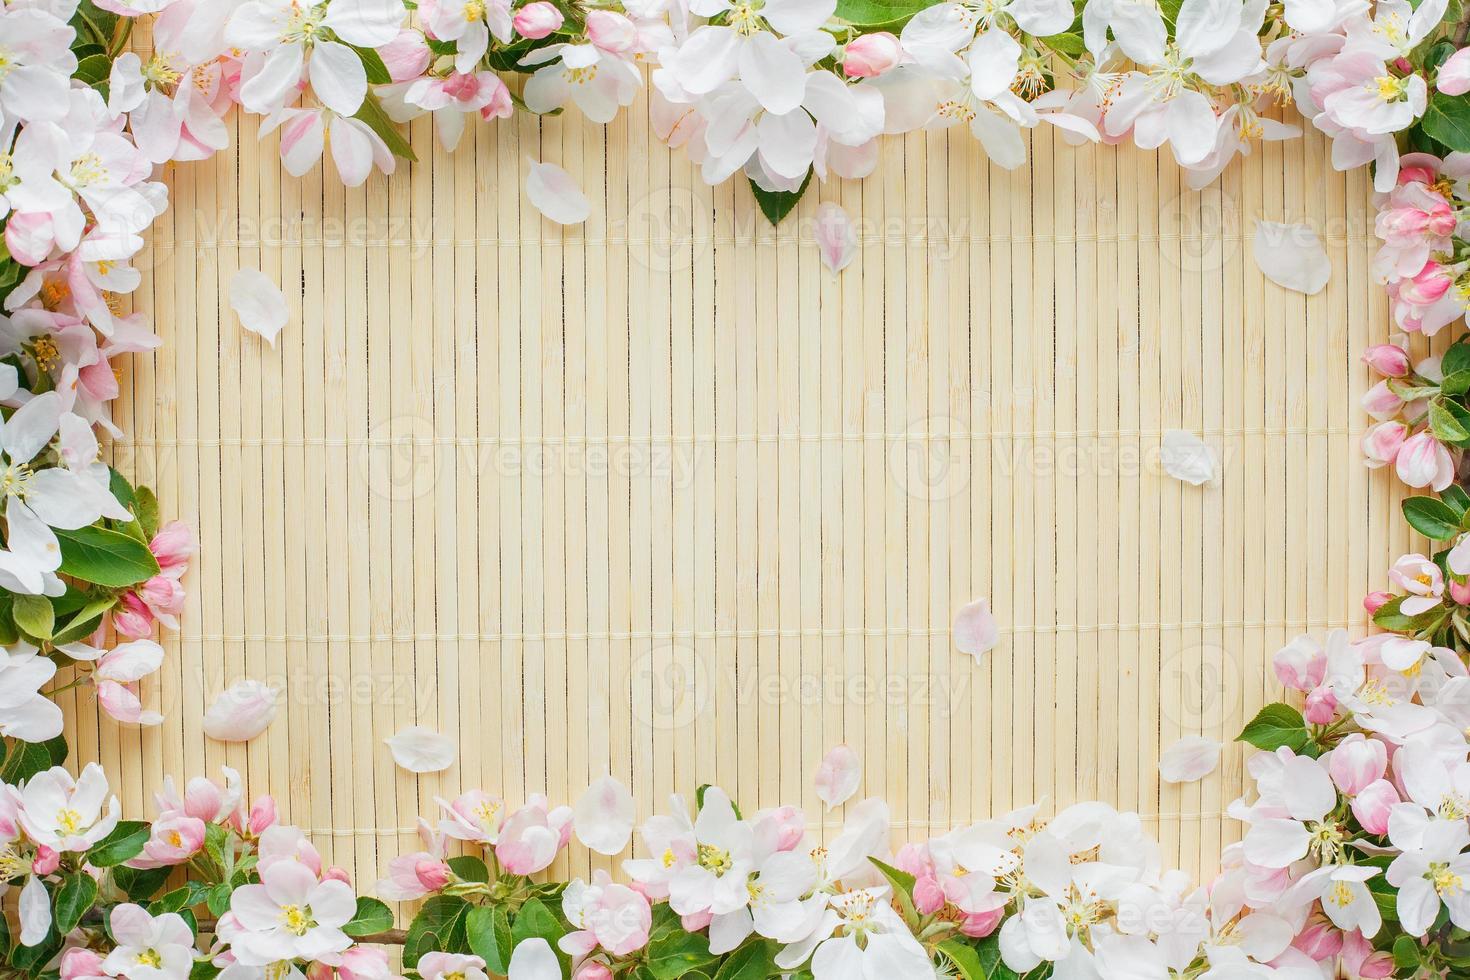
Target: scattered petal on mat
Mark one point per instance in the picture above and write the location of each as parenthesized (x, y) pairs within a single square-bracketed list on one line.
[(604, 816), (241, 712), (420, 749), (553, 192), (1190, 759), (1186, 457), (838, 776), (1292, 256), (835, 238), (259, 303), (975, 630)]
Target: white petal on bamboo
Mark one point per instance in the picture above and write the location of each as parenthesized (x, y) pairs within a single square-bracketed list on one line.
[(1185, 456), (259, 303), (533, 959), (420, 749), (835, 237), (975, 629), (241, 712), (553, 192), (1292, 256), (604, 816), (1190, 759), (838, 776)]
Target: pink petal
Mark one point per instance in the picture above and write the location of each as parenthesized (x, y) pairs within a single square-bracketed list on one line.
[(420, 749), (1189, 760), (604, 816), (121, 704), (241, 712), (1454, 74), (975, 629), (838, 776), (835, 237), (553, 192), (259, 303)]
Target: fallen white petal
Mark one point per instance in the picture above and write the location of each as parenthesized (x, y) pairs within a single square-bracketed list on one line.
[(838, 776), (975, 629), (420, 749), (1292, 256), (533, 959), (604, 816), (1186, 457), (835, 237), (259, 303), (553, 192), (1190, 759), (241, 712)]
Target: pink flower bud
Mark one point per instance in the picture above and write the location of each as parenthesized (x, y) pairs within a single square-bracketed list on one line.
[(536, 20), (1321, 706), (1460, 592), (47, 861), (1375, 601), (262, 815), (981, 924), (79, 962), (696, 921), (318, 971), (1428, 286), (1319, 939), (1381, 402), (173, 546), (791, 826), (163, 595), (611, 32), (433, 875), (1373, 805), (335, 873), (364, 963), (407, 56), (1389, 360), (1382, 442), (928, 895), (132, 618), (1357, 763), (1300, 665), (914, 859), (871, 55), (592, 970)]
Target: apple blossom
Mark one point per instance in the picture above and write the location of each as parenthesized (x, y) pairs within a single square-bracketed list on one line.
[(290, 915), (149, 947)]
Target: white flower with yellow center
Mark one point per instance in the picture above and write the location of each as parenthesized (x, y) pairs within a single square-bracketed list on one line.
[(1431, 871), (1344, 894), (859, 935), (717, 879), (291, 915), (470, 25), (149, 947), (65, 813)]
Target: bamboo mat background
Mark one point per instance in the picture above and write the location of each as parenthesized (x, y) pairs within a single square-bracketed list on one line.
[(658, 496)]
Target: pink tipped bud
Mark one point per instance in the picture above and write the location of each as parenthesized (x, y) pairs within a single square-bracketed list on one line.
[(47, 861), (132, 618), (1389, 360), (611, 31), (1375, 601), (262, 815), (1319, 939), (537, 20), (79, 962), (981, 924), (928, 895), (871, 55), (173, 546), (407, 56), (335, 873), (1373, 805), (1357, 763), (433, 875), (1321, 706), (592, 970), (696, 921), (1381, 402)]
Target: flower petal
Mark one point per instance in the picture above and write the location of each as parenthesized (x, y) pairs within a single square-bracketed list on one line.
[(1292, 256), (420, 749), (835, 238), (241, 712), (553, 192), (975, 629), (1186, 457), (1190, 759), (259, 303), (604, 816), (533, 959), (838, 776)]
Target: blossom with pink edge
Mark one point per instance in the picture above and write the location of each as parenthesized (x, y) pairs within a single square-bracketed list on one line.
[(871, 55), (68, 813), (1382, 442), (451, 966), (1422, 579), (173, 546), (149, 947), (537, 19), (1374, 805), (1356, 763), (1389, 360), (172, 840), (1423, 461), (412, 876), (290, 915), (451, 98), (607, 915), (531, 836)]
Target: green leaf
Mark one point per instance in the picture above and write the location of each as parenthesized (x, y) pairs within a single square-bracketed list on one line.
[(903, 889), (93, 69), (1406, 953), (372, 916), (977, 962), (1456, 358), (1432, 517), (78, 892), (107, 558), (372, 63), (874, 13), (1066, 43), (1277, 725), (1447, 119), (756, 960), (440, 925), (123, 844), (28, 758), (1445, 426), (1389, 617), (34, 615), (145, 508), (488, 930), (1455, 496), (1455, 384), (204, 970), (776, 205), (372, 113), (84, 622), (469, 868), (535, 921)]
